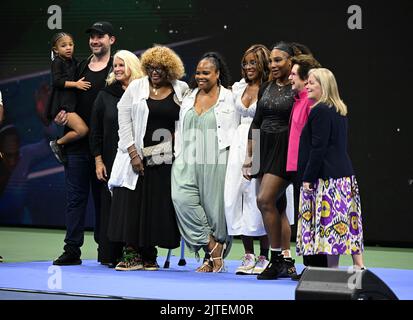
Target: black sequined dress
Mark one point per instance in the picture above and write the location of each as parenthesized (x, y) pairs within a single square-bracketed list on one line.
[(272, 119)]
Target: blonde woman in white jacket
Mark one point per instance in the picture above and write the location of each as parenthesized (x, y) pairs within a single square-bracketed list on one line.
[(143, 215), (207, 125)]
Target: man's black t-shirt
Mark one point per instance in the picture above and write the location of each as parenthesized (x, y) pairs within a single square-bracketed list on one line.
[(85, 100)]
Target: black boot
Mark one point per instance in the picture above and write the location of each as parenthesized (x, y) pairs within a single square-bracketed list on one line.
[(297, 277), (316, 260), (291, 271), (275, 269), (67, 259)]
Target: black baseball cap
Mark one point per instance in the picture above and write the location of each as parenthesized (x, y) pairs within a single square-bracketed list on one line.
[(101, 27)]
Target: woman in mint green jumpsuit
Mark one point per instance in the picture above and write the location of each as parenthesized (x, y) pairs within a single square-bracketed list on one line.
[(207, 124)]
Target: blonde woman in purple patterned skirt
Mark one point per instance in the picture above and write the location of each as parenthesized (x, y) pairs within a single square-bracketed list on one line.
[(329, 220)]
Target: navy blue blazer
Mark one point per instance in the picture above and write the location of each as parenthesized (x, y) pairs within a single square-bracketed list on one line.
[(323, 146)]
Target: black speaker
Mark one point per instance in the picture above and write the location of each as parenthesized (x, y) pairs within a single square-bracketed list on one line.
[(339, 284)]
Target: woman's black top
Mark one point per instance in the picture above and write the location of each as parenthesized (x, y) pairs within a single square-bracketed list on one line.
[(273, 108), (162, 115), (103, 137)]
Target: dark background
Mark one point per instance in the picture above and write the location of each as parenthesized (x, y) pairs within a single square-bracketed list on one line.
[(372, 67)]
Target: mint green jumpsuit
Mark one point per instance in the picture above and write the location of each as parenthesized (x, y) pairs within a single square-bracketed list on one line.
[(198, 178)]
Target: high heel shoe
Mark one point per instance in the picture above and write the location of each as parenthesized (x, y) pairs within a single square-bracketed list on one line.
[(221, 257), (206, 266)]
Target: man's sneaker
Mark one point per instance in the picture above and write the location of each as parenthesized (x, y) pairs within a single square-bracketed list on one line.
[(275, 269), (247, 264), (1, 259), (291, 270), (67, 259), (58, 152), (130, 261), (261, 264), (150, 266)]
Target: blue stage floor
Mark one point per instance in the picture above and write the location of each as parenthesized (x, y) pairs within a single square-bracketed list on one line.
[(175, 283)]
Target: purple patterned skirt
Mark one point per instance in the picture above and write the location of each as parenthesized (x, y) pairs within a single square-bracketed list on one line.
[(329, 219)]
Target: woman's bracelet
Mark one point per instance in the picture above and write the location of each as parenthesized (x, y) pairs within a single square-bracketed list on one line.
[(134, 156), (131, 152)]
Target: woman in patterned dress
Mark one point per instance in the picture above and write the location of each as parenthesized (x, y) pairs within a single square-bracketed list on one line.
[(329, 220)]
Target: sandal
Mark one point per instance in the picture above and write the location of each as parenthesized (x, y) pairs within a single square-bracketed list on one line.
[(221, 257), (205, 267)]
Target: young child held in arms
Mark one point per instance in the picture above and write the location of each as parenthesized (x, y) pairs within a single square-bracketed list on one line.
[(63, 94)]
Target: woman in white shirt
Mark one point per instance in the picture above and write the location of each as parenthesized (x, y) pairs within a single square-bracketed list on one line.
[(207, 125), (143, 215)]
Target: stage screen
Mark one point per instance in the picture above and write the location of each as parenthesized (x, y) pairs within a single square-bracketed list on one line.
[(365, 44)]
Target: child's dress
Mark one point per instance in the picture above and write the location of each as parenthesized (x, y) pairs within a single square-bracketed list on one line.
[(61, 98)]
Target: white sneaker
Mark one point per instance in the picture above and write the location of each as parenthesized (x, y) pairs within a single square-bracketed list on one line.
[(247, 265), (260, 266)]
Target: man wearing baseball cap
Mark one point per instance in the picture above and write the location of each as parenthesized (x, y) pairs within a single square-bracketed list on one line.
[(102, 27), (80, 167)]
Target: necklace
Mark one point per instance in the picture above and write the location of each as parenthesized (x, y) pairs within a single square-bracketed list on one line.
[(247, 94), (155, 89), (280, 86)]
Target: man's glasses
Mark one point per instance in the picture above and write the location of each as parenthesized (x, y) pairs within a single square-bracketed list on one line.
[(252, 63)]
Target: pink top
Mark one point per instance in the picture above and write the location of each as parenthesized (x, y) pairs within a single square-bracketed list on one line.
[(298, 119)]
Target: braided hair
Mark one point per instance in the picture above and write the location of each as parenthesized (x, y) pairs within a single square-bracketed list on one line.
[(54, 40)]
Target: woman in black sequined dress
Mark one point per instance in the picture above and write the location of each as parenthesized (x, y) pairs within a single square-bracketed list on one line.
[(267, 157)]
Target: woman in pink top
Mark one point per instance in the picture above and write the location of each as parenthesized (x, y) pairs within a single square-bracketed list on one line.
[(299, 116), (301, 108)]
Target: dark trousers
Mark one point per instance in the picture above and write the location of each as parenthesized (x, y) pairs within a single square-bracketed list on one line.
[(109, 252), (316, 260), (148, 254), (80, 179)]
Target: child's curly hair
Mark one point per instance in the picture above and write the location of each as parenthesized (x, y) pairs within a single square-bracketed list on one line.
[(165, 57)]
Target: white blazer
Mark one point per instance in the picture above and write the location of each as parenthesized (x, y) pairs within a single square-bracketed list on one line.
[(133, 117), (226, 117)]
